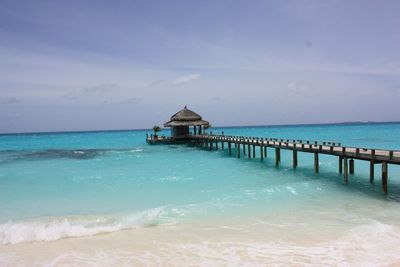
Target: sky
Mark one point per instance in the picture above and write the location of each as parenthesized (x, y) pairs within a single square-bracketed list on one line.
[(130, 64)]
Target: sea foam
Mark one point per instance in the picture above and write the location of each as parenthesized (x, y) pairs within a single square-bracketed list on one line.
[(54, 228)]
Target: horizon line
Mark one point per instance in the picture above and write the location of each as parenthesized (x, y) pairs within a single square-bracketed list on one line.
[(346, 123)]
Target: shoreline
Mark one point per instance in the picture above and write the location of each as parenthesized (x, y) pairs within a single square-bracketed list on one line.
[(206, 243)]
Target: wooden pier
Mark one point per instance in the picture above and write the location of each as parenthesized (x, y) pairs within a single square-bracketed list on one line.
[(346, 155), (247, 146)]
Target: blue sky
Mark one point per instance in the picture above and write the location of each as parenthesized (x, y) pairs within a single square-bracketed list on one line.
[(89, 65)]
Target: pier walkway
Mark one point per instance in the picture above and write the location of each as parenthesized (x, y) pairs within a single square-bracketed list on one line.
[(346, 155)]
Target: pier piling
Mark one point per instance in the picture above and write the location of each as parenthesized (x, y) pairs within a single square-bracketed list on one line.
[(316, 162), (294, 159), (351, 162), (384, 177), (277, 156), (261, 152), (346, 170), (371, 171)]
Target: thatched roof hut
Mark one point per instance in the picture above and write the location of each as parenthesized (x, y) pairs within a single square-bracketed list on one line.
[(182, 120)]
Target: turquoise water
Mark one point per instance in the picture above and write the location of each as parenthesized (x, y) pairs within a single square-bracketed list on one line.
[(81, 184)]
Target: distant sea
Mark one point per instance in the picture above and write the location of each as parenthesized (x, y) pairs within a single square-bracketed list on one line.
[(110, 199)]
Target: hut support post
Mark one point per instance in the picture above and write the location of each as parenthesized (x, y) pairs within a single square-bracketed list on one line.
[(261, 152), (223, 143), (244, 147), (351, 161), (346, 170), (229, 148), (238, 150), (316, 162), (248, 150), (371, 171), (254, 151), (211, 145), (216, 144), (294, 159), (340, 164), (384, 177)]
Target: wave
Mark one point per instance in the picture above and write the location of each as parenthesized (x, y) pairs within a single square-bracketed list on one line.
[(54, 228)]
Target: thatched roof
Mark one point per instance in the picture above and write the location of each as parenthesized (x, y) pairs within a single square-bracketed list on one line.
[(186, 117)]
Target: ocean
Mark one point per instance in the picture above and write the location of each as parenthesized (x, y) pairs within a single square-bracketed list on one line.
[(109, 199)]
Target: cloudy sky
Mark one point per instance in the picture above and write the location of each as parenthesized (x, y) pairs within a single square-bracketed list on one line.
[(89, 65)]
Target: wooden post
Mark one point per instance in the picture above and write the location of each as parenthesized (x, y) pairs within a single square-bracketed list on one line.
[(294, 159), (265, 151), (248, 150), (384, 177), (211, 144), (223, 144), (194, 130), (340, 164), (254, 151), (351, 166), (216, 144), (261, 152), (229, 148), (238, 150), (244, 147), (316, 162), (277, 156), (346, 170), (371, 171)]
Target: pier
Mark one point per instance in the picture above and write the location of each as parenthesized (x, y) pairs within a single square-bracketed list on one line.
[(346, 155), (244, 146)]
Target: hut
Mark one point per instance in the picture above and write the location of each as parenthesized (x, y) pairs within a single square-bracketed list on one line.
[(181, 121)]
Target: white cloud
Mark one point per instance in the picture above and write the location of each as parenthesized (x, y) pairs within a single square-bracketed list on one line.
[(91, 91), (187, 78), (298, 88)]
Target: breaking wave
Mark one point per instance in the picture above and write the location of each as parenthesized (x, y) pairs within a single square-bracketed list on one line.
[(54, 228)]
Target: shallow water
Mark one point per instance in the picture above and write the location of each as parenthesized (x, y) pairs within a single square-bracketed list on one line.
[(108, 195)]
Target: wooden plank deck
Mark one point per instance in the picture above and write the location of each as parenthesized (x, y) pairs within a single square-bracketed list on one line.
[(323, 147)]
